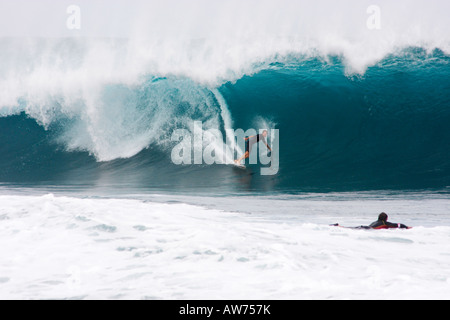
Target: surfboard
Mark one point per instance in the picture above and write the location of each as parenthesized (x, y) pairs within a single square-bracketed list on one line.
[(366, 227), (357, 228), (240, 166)]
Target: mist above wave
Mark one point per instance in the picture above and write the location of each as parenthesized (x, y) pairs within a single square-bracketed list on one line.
[(216, 41)]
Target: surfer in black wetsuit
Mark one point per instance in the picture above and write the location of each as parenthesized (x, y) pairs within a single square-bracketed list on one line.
[(249, 142), (381, 223)]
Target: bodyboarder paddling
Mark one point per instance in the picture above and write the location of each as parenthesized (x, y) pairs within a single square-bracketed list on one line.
[(249, 142), (381, 223)]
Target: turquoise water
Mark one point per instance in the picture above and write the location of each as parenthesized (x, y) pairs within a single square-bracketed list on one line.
[(385, 129)]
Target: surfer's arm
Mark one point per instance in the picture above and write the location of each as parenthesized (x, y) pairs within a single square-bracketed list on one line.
[(397, 226), (265, 142), (246, 138)]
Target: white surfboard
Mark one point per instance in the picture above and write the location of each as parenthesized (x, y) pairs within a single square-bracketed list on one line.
[(239, 165)]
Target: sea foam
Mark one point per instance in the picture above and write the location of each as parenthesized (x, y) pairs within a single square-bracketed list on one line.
[(61, 247)]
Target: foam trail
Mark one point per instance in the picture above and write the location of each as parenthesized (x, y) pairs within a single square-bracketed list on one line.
[(230, 146), (225, 112)]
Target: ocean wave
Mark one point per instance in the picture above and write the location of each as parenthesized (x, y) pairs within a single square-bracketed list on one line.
[(342, 94), (386, 129)]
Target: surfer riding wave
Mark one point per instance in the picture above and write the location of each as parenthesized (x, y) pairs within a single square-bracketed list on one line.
[(249, 142)]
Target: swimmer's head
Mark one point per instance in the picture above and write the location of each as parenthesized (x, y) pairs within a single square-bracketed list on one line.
[(383, 217)]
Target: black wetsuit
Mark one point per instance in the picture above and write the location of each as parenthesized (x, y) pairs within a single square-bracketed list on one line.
[(379, 224), (252, 140)]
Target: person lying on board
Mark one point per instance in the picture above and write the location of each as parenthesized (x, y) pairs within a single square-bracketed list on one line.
[(249, 142), (381, 223)]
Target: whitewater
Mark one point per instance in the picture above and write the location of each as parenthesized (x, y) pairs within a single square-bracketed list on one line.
[(93, 207), (61, 247)]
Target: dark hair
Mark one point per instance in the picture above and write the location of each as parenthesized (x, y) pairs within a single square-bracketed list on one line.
[(383, 217)]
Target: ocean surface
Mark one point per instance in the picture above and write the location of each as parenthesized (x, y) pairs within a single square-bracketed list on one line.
[(92, 204)]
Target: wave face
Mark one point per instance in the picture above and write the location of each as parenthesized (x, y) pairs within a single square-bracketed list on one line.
[(356, 109), (387, 129)]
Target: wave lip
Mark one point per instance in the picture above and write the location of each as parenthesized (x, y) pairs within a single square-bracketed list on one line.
[(208, 41)]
